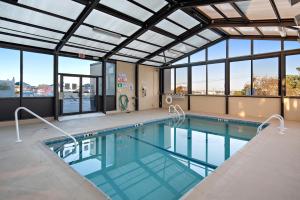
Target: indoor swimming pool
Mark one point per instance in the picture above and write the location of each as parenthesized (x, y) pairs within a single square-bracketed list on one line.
[(156, 160)]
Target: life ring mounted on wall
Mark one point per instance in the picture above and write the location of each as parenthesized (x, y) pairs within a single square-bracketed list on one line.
[(169, 99)]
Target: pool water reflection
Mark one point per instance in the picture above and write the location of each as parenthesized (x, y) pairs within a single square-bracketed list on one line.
[(157, 160)]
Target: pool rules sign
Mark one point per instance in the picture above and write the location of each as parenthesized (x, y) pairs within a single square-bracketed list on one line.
[(122, 80)]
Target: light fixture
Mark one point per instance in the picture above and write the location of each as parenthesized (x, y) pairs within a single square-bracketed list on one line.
[(108, 33), (282, 31), (173, 52), (297, 20)]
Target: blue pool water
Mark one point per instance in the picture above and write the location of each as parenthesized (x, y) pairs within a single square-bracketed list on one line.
[(156, 160)]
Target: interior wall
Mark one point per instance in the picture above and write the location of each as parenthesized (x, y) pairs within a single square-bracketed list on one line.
[(149, 80), (129, 70), (254, 107), (292, 109), (208, 104)]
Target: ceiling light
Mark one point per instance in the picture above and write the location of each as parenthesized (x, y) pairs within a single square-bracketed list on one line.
[(108, 33), (282, 32), (297, 20), (173, 52)]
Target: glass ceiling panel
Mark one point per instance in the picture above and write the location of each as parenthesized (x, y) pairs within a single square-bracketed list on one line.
[(170, 27), (230, 30), (151, 63), (269, 30), (66, 8), (183, 48), (22, 41), (160, 59), (133, 53), (128, 8), (248, 30), (111, 23), (291, 32), (26, 15), (154, 5), (30, 30), (122, 58), (184, 19), (142, 46), (88, 32), (82, 51), (257, 9), (210, 12), (228, 10), (155, 38), (286, 10), (196, 41), (171, 53), (211, 35), (90, 43)]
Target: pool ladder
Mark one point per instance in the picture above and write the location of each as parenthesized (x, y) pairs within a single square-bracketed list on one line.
[(43, 120), (180, 114), (276, 116)]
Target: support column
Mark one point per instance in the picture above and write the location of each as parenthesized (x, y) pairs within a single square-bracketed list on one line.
[(282, 80), (227, 79), (56, 93), (104, 86), (137, 87)]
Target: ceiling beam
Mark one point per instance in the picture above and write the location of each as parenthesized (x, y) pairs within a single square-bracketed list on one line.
[(80, 19), (258, 37), (254, 23), (148, 24), (274, 7)]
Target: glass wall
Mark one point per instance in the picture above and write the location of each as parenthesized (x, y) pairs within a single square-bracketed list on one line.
[(240, 78), (110, 79), (249, 67), (216, 79), (9, 73), (265, 77), (199, 79), (181, 80), (37, 75), (293, 75)]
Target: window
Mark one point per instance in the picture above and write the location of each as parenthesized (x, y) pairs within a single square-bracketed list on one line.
[(181, 80), (216, 79), (266, 46), (110, 79), (290, 45), (265, 77), (198, 57), (37, 75), (239, 47), (217, 51), (240, 78), (199, 79), (181, 61), (79, 66), (169, 81), (293, 75), (9, 73)]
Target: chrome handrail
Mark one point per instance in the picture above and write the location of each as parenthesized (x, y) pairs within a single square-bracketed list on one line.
[(276, 116), (40, 118)]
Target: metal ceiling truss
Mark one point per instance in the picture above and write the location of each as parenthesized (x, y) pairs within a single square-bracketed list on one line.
[(187, 6)]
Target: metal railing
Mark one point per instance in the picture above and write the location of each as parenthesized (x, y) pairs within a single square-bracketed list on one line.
[(276, 116), (43, 120), (180, 116)]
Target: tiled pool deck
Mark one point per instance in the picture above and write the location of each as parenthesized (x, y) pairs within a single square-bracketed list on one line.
[(268, 167)]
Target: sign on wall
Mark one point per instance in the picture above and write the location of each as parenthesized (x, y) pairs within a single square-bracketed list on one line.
[(122, 80)]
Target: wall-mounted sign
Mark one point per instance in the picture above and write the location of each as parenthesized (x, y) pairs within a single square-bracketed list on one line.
[(122, 80)]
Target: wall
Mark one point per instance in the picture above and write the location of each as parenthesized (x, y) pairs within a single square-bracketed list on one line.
[(292, 109), (183, 103), (129, 70), (149, 79), (208, 104), (254, 107)]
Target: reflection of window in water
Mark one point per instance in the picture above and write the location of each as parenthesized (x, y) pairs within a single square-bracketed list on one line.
[(86, 147), (74, 86), (67, 86)]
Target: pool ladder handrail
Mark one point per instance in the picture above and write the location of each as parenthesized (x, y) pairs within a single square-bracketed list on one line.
[(43, 120), (276, 116), (178, 115)]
